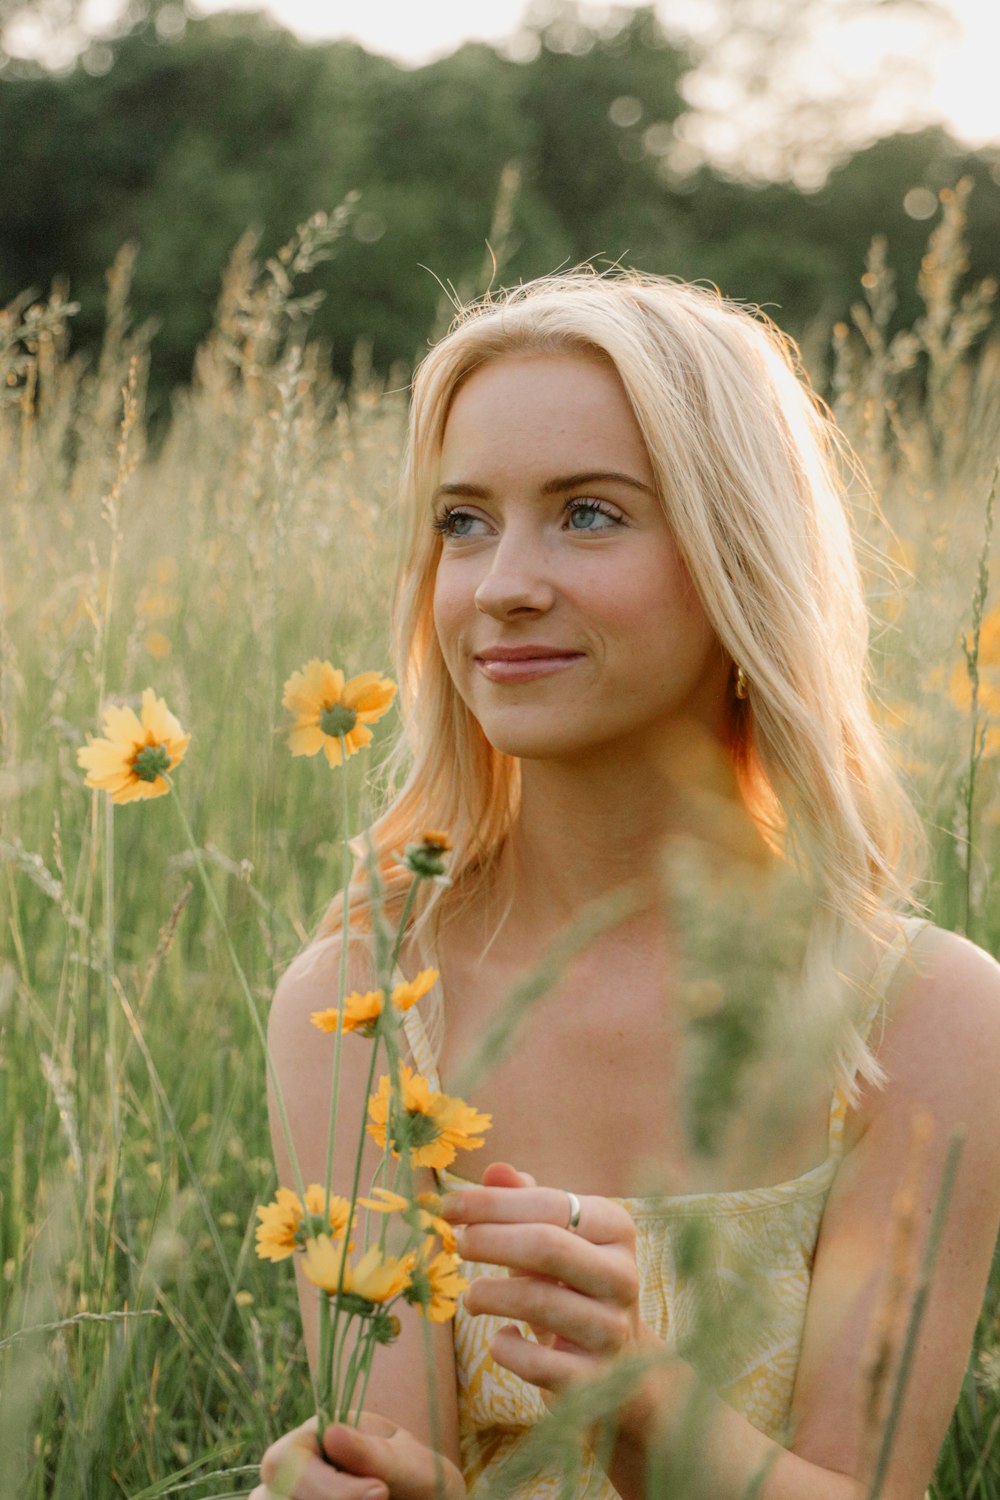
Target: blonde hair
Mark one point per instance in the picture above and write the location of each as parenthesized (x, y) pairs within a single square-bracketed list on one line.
[(752, 472)]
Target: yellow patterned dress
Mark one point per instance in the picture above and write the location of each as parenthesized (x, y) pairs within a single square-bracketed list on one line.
[(754, 1254)]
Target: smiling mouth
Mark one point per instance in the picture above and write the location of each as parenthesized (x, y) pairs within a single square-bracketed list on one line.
[(524, 665)]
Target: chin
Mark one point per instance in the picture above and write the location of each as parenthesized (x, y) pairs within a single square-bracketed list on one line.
[(527, 743)]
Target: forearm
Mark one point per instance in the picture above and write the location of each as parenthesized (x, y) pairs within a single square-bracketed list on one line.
[(677, 1437)]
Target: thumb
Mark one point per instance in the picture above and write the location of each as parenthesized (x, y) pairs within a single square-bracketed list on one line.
[(502, 1174)]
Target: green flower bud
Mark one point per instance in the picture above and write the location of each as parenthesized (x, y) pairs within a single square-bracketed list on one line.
[(152, 762)]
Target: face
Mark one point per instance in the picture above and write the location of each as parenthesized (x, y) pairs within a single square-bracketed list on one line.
[(566, 617)]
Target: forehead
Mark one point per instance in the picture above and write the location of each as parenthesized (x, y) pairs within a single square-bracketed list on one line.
[(541, 408)]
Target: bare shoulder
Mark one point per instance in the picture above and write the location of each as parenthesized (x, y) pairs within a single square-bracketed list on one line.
[(940, 1049), (312, 982), (945, 1021)]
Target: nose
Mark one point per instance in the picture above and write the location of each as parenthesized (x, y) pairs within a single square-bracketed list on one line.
[(517, 582)]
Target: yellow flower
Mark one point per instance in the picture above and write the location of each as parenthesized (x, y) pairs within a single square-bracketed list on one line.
[(409, 992), (375, 1278), (423, 1207), (133, 757), (361, 1012), (436, 1286), (277, 1232), (436, 1126), (325, 707), (281, 1230)]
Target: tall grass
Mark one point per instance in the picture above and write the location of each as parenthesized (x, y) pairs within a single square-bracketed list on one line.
[(143, 1349)]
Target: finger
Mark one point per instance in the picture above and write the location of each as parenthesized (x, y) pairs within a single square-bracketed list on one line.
[(541, 1250), (552, 1369), (378, 1448), (602, 1222), (310, 1478), (293, 1467), (502, 1174), (551, 1310)]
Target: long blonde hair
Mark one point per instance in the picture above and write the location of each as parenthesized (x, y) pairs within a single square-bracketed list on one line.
[(753, 474)]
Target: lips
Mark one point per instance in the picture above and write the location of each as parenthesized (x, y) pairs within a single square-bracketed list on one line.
[(524, 663)]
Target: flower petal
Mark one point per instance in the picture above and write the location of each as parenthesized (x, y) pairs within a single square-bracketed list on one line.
[(159, 723), (122, 726), (306, 739), (370, 694)]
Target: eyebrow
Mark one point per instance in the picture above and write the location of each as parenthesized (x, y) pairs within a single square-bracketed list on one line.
[(552, 486)]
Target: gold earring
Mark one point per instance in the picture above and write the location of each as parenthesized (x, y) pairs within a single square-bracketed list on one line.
[(742, 686)]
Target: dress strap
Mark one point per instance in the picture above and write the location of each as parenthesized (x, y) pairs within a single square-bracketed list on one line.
[(874, 1009), (420, 1046)]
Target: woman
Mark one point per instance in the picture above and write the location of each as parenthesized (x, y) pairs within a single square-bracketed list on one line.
[(632, 647)]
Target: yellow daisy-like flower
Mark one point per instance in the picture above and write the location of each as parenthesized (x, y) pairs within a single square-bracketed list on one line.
[(436, 1286), (410, 991), (326, 707), (375, 1278), (436, 1127), (277, 1232), (132, 759), (361, 1012), (282, 1227), (390, 1202)]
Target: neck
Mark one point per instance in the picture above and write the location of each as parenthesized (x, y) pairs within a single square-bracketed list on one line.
[(582, 830)]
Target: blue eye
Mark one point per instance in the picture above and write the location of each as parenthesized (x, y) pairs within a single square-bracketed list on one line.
[(591, 515), (454, 523)]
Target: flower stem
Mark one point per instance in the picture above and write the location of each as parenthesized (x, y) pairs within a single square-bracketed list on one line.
[(345, 940), (383, 1035), (111, 1018), (433, 1410), (258, 1024), (977, 731)]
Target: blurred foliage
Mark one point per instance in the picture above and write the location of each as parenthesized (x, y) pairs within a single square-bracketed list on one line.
[(195, 129)]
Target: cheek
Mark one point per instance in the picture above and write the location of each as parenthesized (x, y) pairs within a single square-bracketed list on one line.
[(449, 611)]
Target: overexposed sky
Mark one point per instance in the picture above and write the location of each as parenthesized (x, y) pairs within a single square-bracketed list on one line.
[(953, 77), (873, 68)]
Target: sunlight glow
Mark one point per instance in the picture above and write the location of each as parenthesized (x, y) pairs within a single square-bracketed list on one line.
[(954, 82)]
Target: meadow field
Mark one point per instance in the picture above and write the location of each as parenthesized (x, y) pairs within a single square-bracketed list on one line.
[(144, 1349)]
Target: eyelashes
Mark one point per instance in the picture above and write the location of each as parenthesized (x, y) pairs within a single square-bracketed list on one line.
[(445, 523)]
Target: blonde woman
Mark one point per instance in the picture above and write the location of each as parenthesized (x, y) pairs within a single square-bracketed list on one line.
[(630, 623)]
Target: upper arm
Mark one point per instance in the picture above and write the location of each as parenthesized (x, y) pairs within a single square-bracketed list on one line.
[(941, 1052), (303, 1062)]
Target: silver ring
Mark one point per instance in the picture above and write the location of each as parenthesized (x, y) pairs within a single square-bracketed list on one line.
[(574, 1211)]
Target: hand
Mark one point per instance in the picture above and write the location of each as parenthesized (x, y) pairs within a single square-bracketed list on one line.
[(374, 1461), (578, 1290)]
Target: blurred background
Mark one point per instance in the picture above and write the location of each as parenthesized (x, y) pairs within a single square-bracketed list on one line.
[(226, 237), (759, 144)]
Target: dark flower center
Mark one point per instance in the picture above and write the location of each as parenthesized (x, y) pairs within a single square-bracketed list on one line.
[(338, 719), (152, 762)]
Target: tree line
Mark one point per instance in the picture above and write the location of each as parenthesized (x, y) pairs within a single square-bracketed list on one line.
[(472, 168)]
